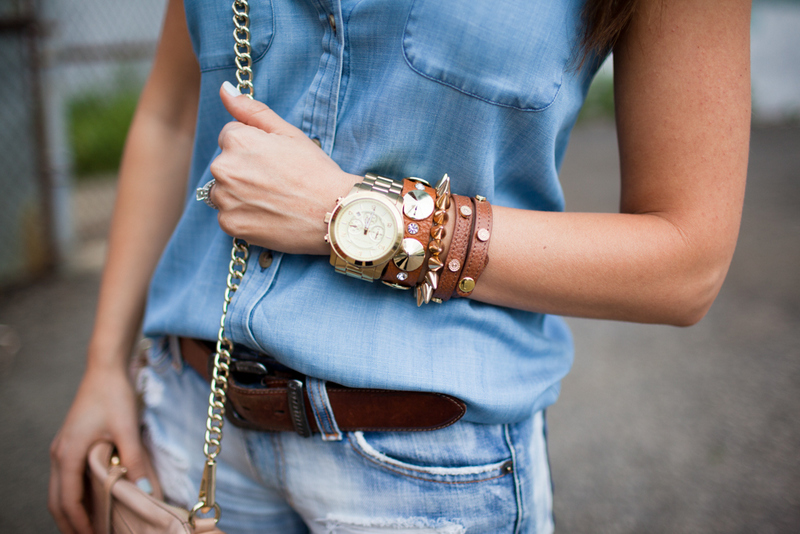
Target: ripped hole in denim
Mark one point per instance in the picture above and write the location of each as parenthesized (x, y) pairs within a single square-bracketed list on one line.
[(334, 524)]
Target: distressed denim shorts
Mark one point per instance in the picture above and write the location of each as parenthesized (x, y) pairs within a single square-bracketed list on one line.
[(466, 478)]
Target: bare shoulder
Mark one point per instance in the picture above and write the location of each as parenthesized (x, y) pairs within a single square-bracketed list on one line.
[(173, 87)]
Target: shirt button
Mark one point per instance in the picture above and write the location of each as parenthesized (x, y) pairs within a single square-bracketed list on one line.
[(332, 22), (265, 259)]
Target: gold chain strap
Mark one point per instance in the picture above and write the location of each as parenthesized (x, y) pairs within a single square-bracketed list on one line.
[(206, 500), (244, 64)]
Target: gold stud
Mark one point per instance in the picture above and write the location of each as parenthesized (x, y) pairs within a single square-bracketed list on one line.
[(432, 278), (454, 265), (480, 198), (435, 246), (440, 217), (465, 211), (437, 301), (443, 186), (437, 232), (420, 296), (466, 285), (483, 234), (427, 291), (411, 255), (434, 263)]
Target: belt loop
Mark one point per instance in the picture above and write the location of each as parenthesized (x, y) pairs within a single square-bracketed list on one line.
[(174, 345), (321, 406)]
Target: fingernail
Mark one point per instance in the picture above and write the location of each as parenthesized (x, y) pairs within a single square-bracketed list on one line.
[(229, 88), (144, 485)]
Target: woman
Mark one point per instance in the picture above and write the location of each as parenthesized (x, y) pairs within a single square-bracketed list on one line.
[(487, 94)]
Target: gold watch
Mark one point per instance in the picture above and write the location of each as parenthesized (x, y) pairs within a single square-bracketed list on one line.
[(365, 228)]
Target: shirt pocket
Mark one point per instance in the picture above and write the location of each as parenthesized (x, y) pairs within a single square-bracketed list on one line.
[(510, 53), (211, 29)]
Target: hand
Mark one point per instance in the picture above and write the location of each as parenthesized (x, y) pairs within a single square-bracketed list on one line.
[(104, 409), (273, 184)]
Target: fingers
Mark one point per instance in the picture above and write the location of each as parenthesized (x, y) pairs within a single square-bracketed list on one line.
[(53, 498), (254, 113), (65, 491), (131, 455)]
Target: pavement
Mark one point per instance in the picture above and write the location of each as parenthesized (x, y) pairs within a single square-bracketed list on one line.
[(658, 429)]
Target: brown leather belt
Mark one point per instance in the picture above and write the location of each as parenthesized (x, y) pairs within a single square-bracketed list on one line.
[(264, 395)]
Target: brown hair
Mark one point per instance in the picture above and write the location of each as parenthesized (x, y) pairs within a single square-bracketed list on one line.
[(603, 23)]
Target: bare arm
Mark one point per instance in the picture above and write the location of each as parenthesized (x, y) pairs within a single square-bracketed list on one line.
[(682, 90), (152, 184)]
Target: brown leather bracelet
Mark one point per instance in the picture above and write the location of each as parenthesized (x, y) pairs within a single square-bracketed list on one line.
[(416, 229), (478, 253), (457, 253)]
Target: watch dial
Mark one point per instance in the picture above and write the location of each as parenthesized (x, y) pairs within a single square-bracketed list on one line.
[(365, 230)]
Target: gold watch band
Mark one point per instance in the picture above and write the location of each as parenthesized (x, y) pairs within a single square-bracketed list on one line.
[(379, 184), (369, 274)]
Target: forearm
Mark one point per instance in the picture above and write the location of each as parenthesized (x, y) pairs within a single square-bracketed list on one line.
[(682, 98), (633, 267), (149, 202), (151, 190)]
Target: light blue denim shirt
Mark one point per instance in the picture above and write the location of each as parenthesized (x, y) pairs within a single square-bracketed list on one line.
[(486, 91)]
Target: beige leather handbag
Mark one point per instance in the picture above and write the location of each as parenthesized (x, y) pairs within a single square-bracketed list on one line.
[(119, 506)]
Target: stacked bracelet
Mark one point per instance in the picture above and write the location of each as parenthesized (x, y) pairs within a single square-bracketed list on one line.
[(431, 283), (404, 270), (458, 249), (425, 216), (478, 250)]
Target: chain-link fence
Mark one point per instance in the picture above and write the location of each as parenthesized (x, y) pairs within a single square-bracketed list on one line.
[(24, 203), (72, 72)]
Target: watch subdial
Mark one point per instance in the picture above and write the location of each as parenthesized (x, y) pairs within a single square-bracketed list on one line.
[(376, 233), (355, 227)]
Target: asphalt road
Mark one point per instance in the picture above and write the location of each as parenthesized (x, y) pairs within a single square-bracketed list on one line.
[(658, 430)]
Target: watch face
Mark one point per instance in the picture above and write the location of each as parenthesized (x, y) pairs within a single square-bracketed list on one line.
[(365, 230)]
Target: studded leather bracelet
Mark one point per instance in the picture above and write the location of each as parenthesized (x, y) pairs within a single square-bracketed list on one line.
[(454, 262), (478, 250), (431, 283), (418, 208)]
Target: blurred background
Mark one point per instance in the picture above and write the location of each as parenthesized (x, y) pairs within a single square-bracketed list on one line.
[(658, 429)]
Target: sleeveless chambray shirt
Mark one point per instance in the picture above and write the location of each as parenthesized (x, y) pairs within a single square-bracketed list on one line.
[(486, 91)]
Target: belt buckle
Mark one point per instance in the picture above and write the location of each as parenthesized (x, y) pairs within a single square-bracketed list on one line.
[(251, 372), (297, 407)]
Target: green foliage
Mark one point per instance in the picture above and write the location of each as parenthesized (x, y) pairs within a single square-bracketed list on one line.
[(98, 126), (599, 101)]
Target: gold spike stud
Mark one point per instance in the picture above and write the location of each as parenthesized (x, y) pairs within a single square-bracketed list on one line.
[(434, 263), (435, 246), (420, 296), (442, 202), (437, 232), (432, 278), (443, 186), (440, 217), (427, 291)]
